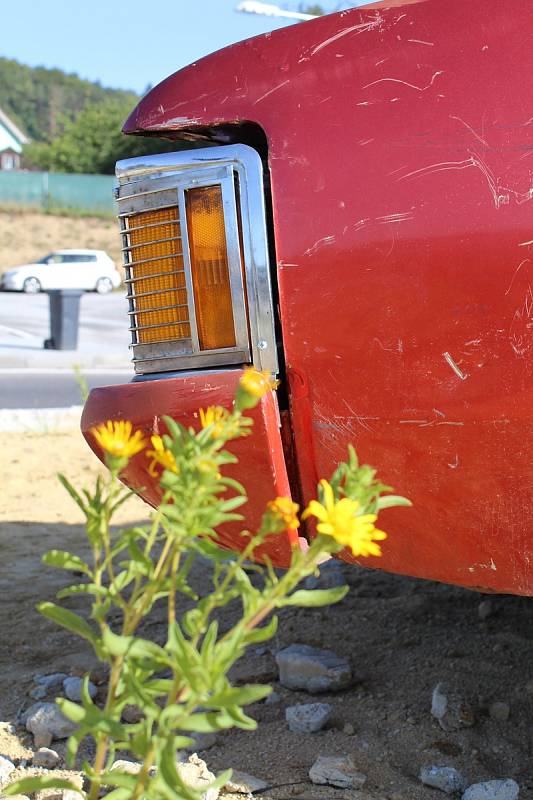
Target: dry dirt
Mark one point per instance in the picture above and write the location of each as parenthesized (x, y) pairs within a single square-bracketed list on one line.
[(401, 635), (29, 235)]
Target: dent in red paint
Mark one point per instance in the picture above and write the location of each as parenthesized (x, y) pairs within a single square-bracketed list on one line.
[(400, 143), (261, 464)]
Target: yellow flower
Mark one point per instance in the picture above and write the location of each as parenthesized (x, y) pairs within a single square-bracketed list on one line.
[(339, 520), (285, 511), (160, 455), (117, 440), (257, 383), (215, 416)]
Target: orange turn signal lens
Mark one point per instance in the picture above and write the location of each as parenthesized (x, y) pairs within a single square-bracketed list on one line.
[(210, 268)]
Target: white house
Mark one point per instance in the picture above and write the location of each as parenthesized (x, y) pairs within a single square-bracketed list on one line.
[(11, 141)]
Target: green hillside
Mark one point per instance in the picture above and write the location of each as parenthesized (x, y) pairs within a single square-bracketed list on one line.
[(39, 100)]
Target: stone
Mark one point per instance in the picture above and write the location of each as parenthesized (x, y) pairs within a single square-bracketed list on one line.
[(76, 779), (506, 789), (195, 774), (129, 767), (304, 667), (6, 768), (348, 729), (337, 771), (51, 683), (45, 757), (73, 686), (330, 576), (450, 709), (38, 693), (46, 722), (447, 779), (529, 687), (242, 783), (499, 711), (308, 717), (132, 714), (273, 698), (485, 609)]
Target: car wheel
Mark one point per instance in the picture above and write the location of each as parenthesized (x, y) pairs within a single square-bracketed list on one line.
[(31, 286), (104, 285)]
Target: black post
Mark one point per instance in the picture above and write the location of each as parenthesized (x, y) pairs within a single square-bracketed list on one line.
[(64, 318)]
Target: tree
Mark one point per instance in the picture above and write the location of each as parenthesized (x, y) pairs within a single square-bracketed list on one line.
[(314, 8), (93, 142)]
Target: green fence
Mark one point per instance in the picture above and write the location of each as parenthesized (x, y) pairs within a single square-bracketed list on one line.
[(51, 191)]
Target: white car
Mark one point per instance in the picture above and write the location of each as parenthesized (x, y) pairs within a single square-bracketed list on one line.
[(91, 270)]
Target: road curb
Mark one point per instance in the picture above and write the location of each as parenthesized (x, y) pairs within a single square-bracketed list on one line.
[(40, 420)]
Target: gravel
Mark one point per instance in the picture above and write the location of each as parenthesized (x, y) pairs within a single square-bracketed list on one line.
[(73, 686), (304, 667), (308, 717), (46, 722), (492, 790), (447, 779), (337, 771)]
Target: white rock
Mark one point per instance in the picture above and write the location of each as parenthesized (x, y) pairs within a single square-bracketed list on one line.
[(242, 783), (337, 771), (6, 768), (492, 790), (129, 767), (45, 757), (313, 670), (450, 709), (73, 686), (447, 779), (308, 717), (195, 774), (46, 722)]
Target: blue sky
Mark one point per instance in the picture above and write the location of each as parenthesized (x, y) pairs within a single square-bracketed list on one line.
[(128, 44)]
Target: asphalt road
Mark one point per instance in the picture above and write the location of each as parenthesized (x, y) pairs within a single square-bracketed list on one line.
[(26, 388), (34, 378), (103, 318)]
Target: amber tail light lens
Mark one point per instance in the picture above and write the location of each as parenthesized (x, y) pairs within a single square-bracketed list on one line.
[(158, 276), (210, 268)]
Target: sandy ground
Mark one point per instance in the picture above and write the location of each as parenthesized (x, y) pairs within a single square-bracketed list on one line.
[(402, 636), (29, 235)]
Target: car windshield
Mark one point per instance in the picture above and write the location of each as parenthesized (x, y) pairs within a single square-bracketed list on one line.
[(46, 259)]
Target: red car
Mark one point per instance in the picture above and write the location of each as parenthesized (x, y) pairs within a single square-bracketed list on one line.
[(354, 215)]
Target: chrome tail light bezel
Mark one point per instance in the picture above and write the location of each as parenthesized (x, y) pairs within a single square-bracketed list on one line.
[(161, 181)]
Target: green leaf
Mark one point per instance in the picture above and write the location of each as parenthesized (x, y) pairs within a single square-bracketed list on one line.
[(258, 635), (64, 560), (72, 492), (233, 502), (29, 785), (135, 648), (72, 711), (67, 619), (240, 695), (83, 588), (392, 500), (171, 777), (316, 597)]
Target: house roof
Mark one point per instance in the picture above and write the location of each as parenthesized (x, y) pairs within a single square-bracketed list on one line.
[(12, 128)]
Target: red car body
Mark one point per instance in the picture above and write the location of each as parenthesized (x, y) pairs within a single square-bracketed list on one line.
[(398, 139)]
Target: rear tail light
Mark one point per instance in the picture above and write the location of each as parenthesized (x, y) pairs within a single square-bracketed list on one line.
[(196, 259)]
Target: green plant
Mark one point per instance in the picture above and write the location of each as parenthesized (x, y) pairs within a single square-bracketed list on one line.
[(181, 686)]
